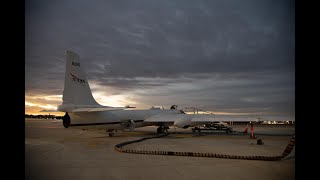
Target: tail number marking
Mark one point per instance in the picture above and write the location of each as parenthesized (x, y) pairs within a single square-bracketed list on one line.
[(76, 79)]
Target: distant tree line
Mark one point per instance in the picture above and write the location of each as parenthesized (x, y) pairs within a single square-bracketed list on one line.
[(42, 116)]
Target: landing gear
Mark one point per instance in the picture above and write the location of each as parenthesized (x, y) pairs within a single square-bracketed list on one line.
[(196, 129), (229, 130), (162, 128), (111, 133), (66, 120)]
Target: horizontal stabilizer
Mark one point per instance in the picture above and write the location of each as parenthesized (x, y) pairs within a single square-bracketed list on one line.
[(97, 109)]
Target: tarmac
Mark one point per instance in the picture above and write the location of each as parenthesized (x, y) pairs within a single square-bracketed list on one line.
[(53, 152)]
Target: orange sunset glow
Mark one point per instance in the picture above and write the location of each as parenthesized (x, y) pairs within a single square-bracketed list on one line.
[(34, 104)]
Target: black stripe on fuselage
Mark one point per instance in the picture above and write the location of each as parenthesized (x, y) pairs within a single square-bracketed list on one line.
[(104, 123)]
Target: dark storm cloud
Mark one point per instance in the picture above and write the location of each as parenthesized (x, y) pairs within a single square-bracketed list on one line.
[(139, 45)]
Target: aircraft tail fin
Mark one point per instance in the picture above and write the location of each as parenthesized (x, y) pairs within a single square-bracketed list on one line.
[(76, 87)]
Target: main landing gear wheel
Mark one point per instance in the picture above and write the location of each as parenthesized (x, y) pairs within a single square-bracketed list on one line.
[(66, 120), (111, 132), (161, 129)]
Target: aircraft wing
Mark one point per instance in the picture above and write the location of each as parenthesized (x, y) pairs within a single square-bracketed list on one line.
[(186, 120), (88, 108), (166, 118), (94, 109), (97, 109), (239, 118), (197, 118), (223, 118)]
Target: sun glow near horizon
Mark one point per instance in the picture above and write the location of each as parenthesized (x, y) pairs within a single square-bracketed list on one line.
[(34, 104)]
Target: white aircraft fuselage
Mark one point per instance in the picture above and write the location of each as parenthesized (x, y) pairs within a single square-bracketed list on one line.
[(114, 119)]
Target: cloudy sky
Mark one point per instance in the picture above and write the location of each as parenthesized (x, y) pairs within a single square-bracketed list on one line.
[(221, 56)]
